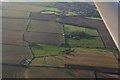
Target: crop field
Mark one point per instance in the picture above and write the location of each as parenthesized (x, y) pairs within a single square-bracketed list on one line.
[(12, 37), (58, 73), (84, 42), (49, 38), (39, 62), (106, 75), (25, 8), (15, 14), (38, 16), (0, 36), (91, 57), (71, 28), (45, 26), (9, 71), (14, 24), (53, 61), (92, 23), (43, 4), (21, 7), (12, 54), (109, 43), (39, 41)]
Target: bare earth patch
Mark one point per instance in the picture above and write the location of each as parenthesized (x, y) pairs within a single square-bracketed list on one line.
[(92, 58), (14, 54), (12, 37), (15, 14), (14, 24), (45, 26), (49, 38), (36, 72), (53, 61)]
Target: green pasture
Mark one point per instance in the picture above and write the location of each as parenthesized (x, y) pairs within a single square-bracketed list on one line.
[(40, 50), (93, 41)]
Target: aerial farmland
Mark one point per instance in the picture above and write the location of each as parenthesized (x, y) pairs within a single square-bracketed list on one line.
[(44, 40)]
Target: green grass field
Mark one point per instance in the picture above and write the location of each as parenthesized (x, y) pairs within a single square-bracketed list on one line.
[(22, 7), (71, 28), (91, 42), (85, 43), (40, 50), (27, 7)]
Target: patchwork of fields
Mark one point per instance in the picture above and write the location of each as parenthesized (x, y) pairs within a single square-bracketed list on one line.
[(14, 24), (15, 53), (45, 50), (58, 73), (82, 57), (29, 34), (53, 61), (15, 14), (45, 26), (79, 64), (43, 37), (20, 31), (21, 7), (38, 16)]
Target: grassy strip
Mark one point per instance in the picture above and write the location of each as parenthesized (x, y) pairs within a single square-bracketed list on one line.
[(53, 9), (71, 14), (50, 12), (95, 18)]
